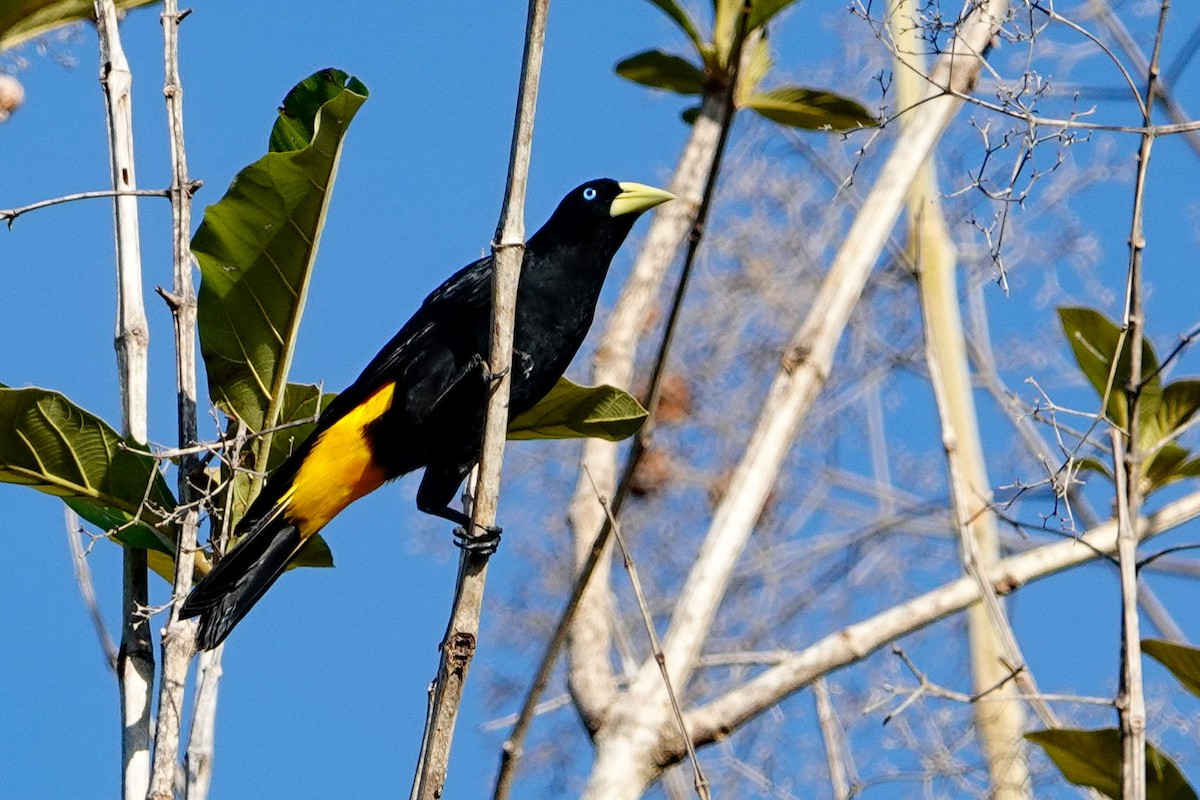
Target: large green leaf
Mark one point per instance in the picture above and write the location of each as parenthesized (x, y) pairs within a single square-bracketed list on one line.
[(49, 443), (22, 20), (663, 71), (571, 411), (1183, 661), (811, 109), (257, 245), (1093, 758), (1093, 338)]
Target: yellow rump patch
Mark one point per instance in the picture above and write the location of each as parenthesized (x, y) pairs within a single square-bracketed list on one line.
[(339, 468)]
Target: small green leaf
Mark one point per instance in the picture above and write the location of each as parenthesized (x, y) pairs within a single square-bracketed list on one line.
[(681, 18), (22, 20), (1165, 466), (763, 10), (811, 109), (725, 21), (1093, 338), (571, 411), (755, 70), (1093, 464), (49, 443), (1181, 660), (690, 115), (663, 71), (1179, 403), (1093, 758), (314, 553), (257, 245)]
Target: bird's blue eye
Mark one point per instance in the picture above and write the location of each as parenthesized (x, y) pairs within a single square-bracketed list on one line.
[(589, 193)]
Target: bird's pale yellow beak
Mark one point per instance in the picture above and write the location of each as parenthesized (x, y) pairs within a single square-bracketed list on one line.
[(636, 198)]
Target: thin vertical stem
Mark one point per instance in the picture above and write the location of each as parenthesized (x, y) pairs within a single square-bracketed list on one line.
[(135, 661), (178, 637), (508, 251), (1128, 456)]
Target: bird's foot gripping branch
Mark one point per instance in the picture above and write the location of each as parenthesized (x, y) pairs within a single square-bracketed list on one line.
[(485, 542)]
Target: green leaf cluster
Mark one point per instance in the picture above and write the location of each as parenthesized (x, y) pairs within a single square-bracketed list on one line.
[(1102, 352), (708, 71)]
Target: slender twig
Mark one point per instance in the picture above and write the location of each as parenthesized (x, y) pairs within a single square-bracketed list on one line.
[(512, 749), (1128, 459), (178, 636), (83, 577), (202, 735), (1131, 703), (833, 736), (10, 214), (135, 662), (508, 250), (701, 783)]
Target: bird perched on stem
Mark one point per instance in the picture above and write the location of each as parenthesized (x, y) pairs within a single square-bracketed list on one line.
[(421, 400)]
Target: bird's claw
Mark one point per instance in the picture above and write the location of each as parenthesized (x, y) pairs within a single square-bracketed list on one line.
[(483, 543), (485, 372)]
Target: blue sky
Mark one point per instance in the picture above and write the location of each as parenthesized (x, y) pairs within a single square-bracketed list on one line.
[(325, 682)]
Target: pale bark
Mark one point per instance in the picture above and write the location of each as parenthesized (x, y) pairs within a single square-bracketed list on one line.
[(178, 636), (1131, 700), (135, 662), (1129, 459), (204, 722), (1000, 723), (590, 673), (631, 741), (508, 251)]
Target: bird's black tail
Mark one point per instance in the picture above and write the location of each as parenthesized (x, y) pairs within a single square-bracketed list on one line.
[(227, 593)]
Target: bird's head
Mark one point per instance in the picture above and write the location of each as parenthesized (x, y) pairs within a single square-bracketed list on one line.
[(603, 206)]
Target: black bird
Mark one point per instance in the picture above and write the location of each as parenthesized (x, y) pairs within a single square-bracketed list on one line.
[(421, 400)]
